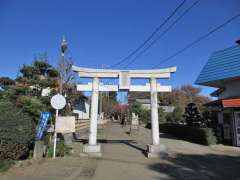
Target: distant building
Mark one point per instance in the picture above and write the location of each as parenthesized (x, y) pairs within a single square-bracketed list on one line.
[(146, 104), (167, 109), (82, 109), (222, 71)]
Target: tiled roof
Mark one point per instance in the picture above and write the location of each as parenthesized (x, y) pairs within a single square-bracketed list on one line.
[(224, 64)]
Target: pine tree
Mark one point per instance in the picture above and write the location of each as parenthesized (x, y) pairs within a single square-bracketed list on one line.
[(192, 115)]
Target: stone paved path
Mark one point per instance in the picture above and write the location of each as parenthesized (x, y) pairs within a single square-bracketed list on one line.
[(124, 159)]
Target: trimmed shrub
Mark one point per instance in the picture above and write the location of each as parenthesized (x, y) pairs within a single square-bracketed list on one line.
[(210, 137), (176, 115), (31, 105), (203, 136), (16, 132)]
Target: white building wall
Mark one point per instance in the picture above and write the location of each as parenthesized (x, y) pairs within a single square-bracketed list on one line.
[(83, 110), (232, 89), (46, 92), (146, 106)]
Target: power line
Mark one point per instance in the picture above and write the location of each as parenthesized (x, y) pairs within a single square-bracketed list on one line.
[(151, 36), (197, 40), (163, 33)]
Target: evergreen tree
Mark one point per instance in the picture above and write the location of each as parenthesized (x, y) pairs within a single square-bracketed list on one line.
[(192, 115), (26, 91), (176, 116)]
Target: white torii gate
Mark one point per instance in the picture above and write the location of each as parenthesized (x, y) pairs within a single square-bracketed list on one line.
[(125, 77)]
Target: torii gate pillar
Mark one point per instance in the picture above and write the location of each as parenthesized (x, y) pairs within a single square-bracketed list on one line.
[(92, 146), (154, 112), (155, 148)]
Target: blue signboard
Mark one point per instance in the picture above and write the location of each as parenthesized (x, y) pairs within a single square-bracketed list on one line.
[(42, 125)]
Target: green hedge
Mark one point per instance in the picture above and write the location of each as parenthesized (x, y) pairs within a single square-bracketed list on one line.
[(16, 132), (203, 136)]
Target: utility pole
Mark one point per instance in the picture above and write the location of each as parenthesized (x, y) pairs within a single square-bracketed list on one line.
[(62, 64)]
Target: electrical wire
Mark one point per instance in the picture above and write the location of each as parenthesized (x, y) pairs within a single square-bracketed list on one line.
[(197, 40), (151, 35), (162, 34)]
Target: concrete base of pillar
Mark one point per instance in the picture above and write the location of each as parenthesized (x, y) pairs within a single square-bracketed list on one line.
[(38, 150), (92, 150), (68, 138), (155, 151)]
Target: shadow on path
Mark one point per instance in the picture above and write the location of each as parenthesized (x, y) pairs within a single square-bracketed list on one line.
[(130, 143), (207, 166)]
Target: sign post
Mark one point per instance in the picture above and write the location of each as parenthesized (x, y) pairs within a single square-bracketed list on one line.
[(42, 125), (57, 102), (40, 130)]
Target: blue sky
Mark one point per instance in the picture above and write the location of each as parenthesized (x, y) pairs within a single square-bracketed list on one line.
[(103, 32)]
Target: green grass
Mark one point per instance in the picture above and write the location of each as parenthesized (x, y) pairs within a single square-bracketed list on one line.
[(5, 165), (61, 150)]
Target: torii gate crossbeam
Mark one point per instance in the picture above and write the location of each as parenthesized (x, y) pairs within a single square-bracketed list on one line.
[(125, 77)]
